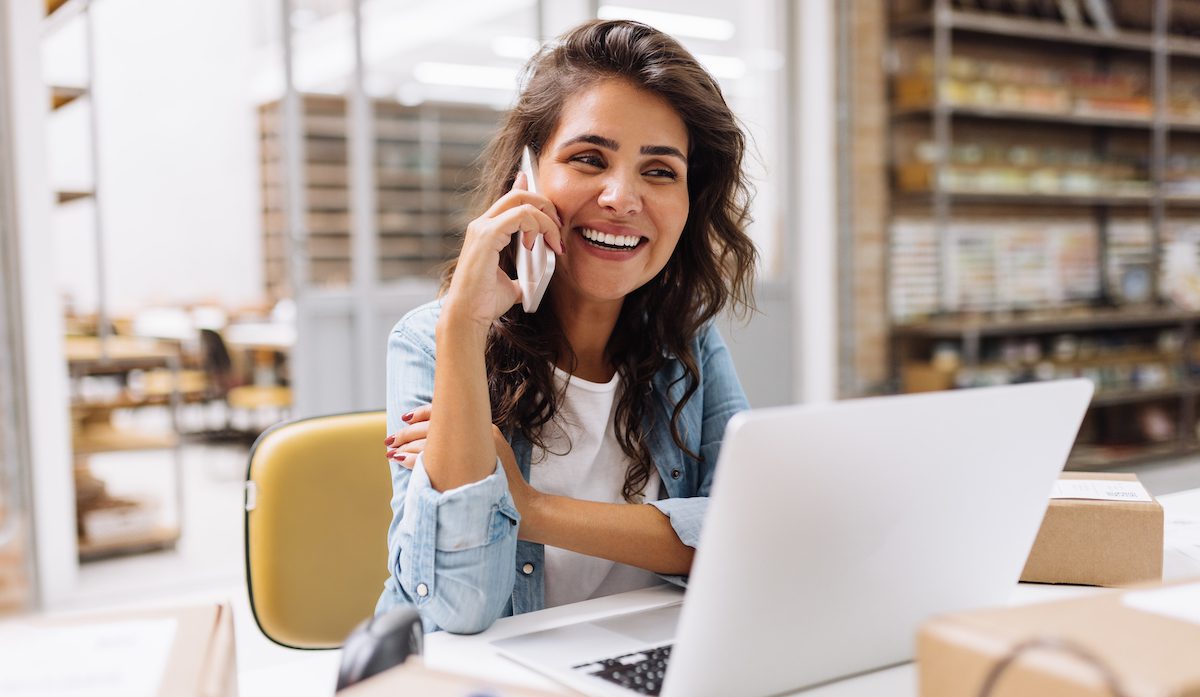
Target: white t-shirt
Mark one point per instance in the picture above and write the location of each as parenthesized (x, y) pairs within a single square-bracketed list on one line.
[(593, 469)]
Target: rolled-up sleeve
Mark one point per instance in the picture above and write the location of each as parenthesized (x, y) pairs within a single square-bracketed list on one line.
[(450, 553), (456, 550), (721, 396)]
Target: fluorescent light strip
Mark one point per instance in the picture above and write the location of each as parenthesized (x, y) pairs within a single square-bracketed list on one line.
[(518, 47), (458, 75), (694, 26), (723, 67)]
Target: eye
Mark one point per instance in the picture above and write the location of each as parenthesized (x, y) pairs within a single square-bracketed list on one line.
[(590, 159), (661, 172)]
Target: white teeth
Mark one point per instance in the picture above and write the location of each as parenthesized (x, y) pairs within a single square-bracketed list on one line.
[(610, 239)]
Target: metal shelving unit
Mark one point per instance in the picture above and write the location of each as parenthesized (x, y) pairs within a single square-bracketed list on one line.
[(943, 25), (107, 355), (421, 154)]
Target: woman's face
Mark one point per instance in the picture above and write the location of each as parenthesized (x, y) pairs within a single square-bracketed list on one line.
[(616, 170)]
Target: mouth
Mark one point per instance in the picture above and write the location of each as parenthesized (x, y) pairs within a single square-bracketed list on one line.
[(602, 240)]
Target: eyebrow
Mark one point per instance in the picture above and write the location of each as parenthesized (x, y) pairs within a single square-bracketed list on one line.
[(610, 144)]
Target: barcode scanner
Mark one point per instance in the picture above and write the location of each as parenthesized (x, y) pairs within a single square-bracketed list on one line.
[(380, 642)]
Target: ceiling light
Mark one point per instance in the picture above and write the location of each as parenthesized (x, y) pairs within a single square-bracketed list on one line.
[(458, 75), (723, 67), (518, 47), (676, 24)]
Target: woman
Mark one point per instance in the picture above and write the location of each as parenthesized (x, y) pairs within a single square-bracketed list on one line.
[(567, 453)]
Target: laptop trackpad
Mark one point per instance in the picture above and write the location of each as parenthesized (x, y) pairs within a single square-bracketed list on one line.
[(573, 644), (650, 627)]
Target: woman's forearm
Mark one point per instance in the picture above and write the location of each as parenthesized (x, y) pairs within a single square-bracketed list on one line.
[(634, 534), (459, 449)]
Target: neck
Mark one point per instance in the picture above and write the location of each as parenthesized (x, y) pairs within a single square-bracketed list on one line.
[(587, 327)]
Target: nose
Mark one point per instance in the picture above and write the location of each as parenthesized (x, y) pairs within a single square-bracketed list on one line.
[(621, 193)]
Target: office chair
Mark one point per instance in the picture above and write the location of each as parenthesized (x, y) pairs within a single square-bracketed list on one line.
[(317, 513)]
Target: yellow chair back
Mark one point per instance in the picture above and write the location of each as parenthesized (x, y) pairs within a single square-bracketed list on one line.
[(317, 513)]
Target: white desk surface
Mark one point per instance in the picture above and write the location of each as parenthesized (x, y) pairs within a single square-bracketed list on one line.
[(473, 655)]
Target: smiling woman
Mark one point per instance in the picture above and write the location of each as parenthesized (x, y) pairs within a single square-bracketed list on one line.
[(567, 454)]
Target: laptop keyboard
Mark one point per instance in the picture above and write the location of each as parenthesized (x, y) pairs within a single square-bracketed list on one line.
[(641, 672)]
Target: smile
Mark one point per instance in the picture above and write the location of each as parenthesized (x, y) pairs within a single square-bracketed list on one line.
[(609, 241)]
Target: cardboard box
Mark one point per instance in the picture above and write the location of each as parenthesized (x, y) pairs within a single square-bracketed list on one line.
[(1134, 643), (201, 661), (1098, 542), (413, 678)]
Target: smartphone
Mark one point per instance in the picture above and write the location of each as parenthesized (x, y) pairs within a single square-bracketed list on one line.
[(534, 266)]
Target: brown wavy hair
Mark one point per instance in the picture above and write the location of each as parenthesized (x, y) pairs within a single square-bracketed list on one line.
[(712, 266)]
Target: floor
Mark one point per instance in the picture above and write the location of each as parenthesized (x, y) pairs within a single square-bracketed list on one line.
[(205, 566), (207, 563)]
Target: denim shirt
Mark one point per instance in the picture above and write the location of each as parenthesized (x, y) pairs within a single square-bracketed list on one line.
[(454, 555)]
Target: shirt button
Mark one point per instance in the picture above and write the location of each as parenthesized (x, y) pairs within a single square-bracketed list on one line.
[(527, 569), (422, 590), (676, 474)]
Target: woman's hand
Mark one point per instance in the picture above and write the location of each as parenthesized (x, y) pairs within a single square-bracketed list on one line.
[(481, 291), (408, 442)]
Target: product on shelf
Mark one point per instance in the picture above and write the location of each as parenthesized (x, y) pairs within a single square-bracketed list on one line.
[(990, 84), (1015, 168), (994, 265)]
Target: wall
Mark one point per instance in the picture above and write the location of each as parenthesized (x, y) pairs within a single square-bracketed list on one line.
[(178, 156), (45, 386)]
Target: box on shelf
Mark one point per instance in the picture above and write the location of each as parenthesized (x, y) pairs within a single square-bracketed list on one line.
[(113, 518), (14, 581), (1134, 642), (1112, 541)]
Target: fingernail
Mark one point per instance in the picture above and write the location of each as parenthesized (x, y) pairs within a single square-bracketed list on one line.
[(407, 416), (389, 440), (402, 457)]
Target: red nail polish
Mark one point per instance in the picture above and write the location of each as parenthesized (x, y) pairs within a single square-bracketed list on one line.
[(406, 417), (389, 440)]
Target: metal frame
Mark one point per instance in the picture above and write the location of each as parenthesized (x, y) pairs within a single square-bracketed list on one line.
[(15, 449), (847, 364), (1158, 44)]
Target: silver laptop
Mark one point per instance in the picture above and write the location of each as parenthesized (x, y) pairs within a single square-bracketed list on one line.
[(833, 531)]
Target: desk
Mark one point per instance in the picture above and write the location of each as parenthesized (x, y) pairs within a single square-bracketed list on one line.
[(271, 336), (313, 673), (474, 655)]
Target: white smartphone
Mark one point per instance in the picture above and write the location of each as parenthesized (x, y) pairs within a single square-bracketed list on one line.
[(534, 266)]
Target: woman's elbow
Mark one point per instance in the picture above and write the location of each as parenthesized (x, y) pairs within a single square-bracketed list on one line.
[(470, 617)]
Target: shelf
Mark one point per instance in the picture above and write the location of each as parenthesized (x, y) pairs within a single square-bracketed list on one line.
[(1098, 199), (159, 538), (61, 96), (61, 12), (1038, 30), (1097, 457), (68, 196), (1188, 200), (1108, 398), (95, 440), (956, 327), (1115, 120)]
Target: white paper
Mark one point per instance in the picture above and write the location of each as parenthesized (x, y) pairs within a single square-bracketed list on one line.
[(1181, 556), (117, 659), (1179, 602), (1100, 490)]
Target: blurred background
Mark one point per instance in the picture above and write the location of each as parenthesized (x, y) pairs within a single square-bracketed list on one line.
[(214, 212)]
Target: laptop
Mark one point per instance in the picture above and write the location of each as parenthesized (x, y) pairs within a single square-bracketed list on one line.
[(832, 533)]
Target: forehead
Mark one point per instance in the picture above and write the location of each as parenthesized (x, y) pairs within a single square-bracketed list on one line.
[(627, 114)]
